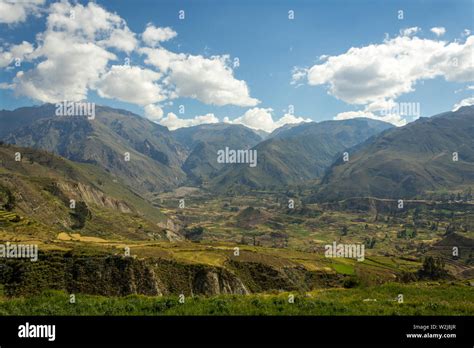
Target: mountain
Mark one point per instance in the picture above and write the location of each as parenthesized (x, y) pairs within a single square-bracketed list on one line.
[(408, 161), (202, 143), (36, 193), (298, 153), (155, 158), (14, 119), (282, 129)]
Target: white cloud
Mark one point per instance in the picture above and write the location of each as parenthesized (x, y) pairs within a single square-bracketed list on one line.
[(255, 118), (131, 84), (19, 51), (410, 31), (4, 85), (298, 74), (90, 22), (14, 11), (68, 71), (174, 122), (210, 80), (160, 57), (153, 112), (394, 119), (438, 31), (152, 35), (122, 39), (261, 119), (380, 72), (72, 56), (465, 102), (466, 32)]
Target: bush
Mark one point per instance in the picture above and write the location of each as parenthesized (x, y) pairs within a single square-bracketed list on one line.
[(195, 234), (432, 268), (350, 282), (80, 214)]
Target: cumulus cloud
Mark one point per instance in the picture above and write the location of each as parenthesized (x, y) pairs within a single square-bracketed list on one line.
[(131, 84), (161, 58), (394, 119), (377, 73), (14, 11), (153, 112), (122, 39), (410, 31), (255, 118), (174, 122), (152, 35), (71, 54), (210, 80), (20, 51), (261, 119), (438, 31), (465, 102), (89, 22), (76, 53), (68, 71)]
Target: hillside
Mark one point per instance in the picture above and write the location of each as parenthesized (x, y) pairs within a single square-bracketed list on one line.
[(36, 194), (410, 161), (155, 157), (204, 141), (298, 153)]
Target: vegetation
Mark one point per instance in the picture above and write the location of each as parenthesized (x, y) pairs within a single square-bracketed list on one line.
[(419, 299), (433, 268), (246, 238)]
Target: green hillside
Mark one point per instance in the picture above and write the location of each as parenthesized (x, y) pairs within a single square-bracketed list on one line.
[(36, 193)]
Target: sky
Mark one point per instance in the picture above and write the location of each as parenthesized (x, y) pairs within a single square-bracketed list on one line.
[(260, 63)]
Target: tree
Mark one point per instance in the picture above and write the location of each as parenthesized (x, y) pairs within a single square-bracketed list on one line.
[(195, 234), (432, 268), (80, 214), (10, 199), (344, 231), (450, 229), (369, 242)]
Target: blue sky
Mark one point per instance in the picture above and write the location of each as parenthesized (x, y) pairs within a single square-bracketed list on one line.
[(269, 47)]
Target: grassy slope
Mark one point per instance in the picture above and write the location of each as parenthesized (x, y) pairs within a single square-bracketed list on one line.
[(419, 299), (45, 214)]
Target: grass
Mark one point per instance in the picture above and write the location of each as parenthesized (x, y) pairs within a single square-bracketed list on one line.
[(419, 299), (343, 268)]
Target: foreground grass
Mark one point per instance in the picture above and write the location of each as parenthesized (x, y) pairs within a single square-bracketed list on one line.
[(419, 299)]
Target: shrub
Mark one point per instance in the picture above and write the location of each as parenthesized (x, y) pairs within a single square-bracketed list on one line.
[(432, 268)]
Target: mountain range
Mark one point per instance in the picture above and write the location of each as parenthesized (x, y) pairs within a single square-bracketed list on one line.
[(383, 161), (431, 154)]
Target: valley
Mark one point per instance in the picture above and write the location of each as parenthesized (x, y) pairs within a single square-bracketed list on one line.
[(231, 238)]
